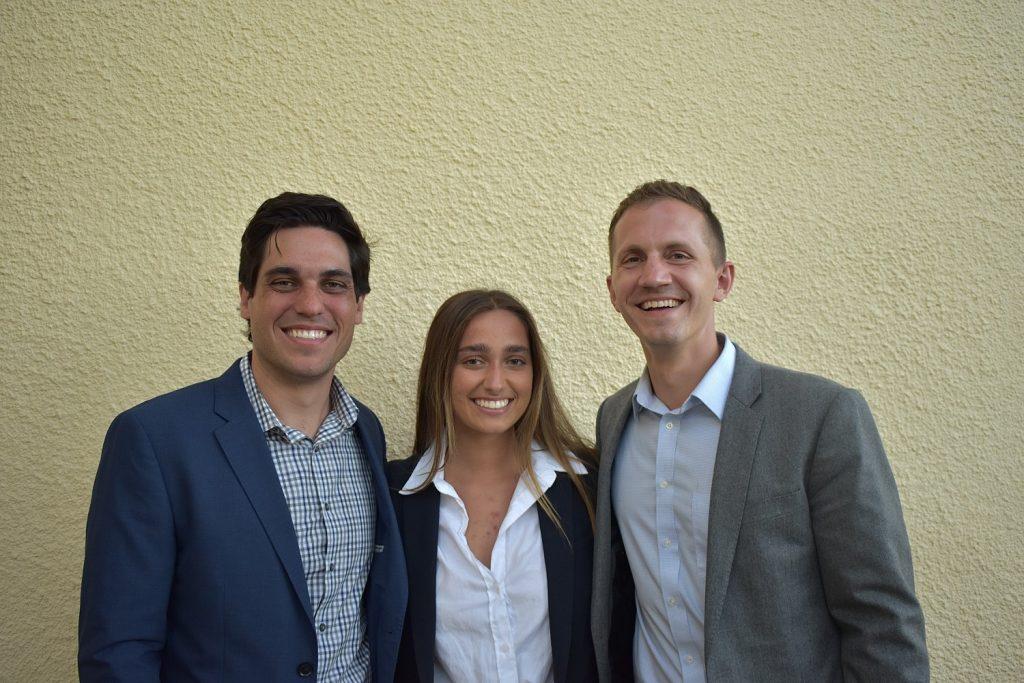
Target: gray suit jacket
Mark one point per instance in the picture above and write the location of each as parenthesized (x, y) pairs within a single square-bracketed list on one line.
[(809, 576)]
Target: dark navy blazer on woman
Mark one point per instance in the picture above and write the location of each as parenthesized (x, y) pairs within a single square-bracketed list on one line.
[(192, 569), (567, 560)]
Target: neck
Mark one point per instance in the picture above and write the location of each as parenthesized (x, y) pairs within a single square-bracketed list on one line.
[(301, 406), (487, 456), (676, 372)]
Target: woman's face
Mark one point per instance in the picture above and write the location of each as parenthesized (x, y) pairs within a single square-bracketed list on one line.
[(493, 376)]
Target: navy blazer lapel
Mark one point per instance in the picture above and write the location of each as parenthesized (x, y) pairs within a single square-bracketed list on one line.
[(245, 447), (419, 529), (374, 450), (558, 565), (737, 444)]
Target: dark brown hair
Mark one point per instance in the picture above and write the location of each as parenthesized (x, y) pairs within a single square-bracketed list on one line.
[(544, 421), (667, 189), (294, 210)]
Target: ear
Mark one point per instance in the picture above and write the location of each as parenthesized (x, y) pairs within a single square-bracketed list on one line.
[(726, 277), (243, 301), (611, 292), (360, 300)]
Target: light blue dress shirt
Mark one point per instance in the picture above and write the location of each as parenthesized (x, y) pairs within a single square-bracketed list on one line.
[(661, 492)]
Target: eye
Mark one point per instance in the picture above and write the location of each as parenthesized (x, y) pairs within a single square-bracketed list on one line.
[(518, 362), (630, 260), (678, 256), (473, 362), (336, 286), (281, 284)]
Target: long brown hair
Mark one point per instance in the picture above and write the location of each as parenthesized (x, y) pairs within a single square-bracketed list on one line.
[(544, 421)]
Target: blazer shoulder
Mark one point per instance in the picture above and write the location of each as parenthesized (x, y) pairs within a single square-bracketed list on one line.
[(784, 379), (799, 396), (194, 400), (399, 471), (366, 415), (625, 394)]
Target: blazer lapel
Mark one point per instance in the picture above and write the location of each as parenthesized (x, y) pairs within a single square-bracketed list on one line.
[(419, 521), (245, 447), (558, 565), (741, 426), (612, 420)]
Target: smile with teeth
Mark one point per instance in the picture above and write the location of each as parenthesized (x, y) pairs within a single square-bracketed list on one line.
[(306, 334), (497, 404), (660, 303)]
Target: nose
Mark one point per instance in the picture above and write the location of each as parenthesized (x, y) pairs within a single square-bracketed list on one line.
[(654, 273), (308, 301), (494, 380)]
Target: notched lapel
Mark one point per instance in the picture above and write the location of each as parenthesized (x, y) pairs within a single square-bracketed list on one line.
[(737, 445), (558, 565), (245, 448)]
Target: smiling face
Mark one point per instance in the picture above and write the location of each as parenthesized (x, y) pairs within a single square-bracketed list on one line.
[(664, 280), (303, 308), (492, 380)]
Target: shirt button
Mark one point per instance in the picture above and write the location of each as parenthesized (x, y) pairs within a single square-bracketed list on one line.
[(669, 425), (504, 648), (663, 484), (327, 506), (689, 659), (667, 543), (673, 602), (330, 567), (323, 627)]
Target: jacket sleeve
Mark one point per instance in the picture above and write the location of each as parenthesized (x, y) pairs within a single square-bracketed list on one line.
[(863, 550), (129, 562)]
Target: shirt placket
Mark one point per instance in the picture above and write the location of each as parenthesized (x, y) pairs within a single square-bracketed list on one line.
[(668, 490), (500, 613), (326, 618)]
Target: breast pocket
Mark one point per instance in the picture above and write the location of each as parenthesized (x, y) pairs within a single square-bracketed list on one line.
[(774, 507)]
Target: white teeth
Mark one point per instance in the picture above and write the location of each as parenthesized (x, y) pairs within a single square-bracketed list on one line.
[(307, 334), (663, 303), (493, 405)]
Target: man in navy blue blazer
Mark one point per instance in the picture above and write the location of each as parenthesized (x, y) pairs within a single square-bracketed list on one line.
[(241, 528)]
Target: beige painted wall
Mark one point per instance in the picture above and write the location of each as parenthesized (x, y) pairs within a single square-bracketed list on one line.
[(865, 158)]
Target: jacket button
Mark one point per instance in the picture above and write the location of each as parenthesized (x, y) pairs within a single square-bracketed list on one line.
[(305, 670)]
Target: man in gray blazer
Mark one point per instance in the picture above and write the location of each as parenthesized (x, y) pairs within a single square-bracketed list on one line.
[(748, 524)]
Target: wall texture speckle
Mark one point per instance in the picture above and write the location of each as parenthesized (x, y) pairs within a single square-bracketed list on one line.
[(866, 160)]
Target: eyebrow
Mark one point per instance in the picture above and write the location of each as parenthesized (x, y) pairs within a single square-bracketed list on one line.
[(671, 245), (293, 272), (483, 348)]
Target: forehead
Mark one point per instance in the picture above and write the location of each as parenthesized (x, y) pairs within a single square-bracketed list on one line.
[(305, 248), (661, 222), (496, 328)]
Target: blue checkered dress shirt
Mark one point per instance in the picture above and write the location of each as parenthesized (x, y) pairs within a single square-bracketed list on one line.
[(326, 482)]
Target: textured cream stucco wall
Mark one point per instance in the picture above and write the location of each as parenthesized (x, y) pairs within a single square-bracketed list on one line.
[(865, 158)]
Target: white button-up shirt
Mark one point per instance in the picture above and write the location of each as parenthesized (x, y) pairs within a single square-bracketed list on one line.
[(661, 492), (492, 622)]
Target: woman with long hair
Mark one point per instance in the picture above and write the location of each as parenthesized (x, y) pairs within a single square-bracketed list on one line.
[(494, 507)]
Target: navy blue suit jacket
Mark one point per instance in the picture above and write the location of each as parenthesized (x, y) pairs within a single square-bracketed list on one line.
[(568, 564), (192, 569)]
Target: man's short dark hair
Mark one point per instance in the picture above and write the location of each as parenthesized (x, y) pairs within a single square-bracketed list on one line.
[(295, 210), (667, 189)]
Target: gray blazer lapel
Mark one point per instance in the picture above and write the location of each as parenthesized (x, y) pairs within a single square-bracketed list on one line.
[(245, 447), (611, 420), (741, 426)]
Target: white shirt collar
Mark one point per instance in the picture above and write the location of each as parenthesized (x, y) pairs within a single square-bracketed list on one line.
[(544, 466), (712, 390)]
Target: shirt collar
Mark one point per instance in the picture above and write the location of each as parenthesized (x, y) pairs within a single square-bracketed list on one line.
[(712, 390), (544, 466), (343, 407)]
